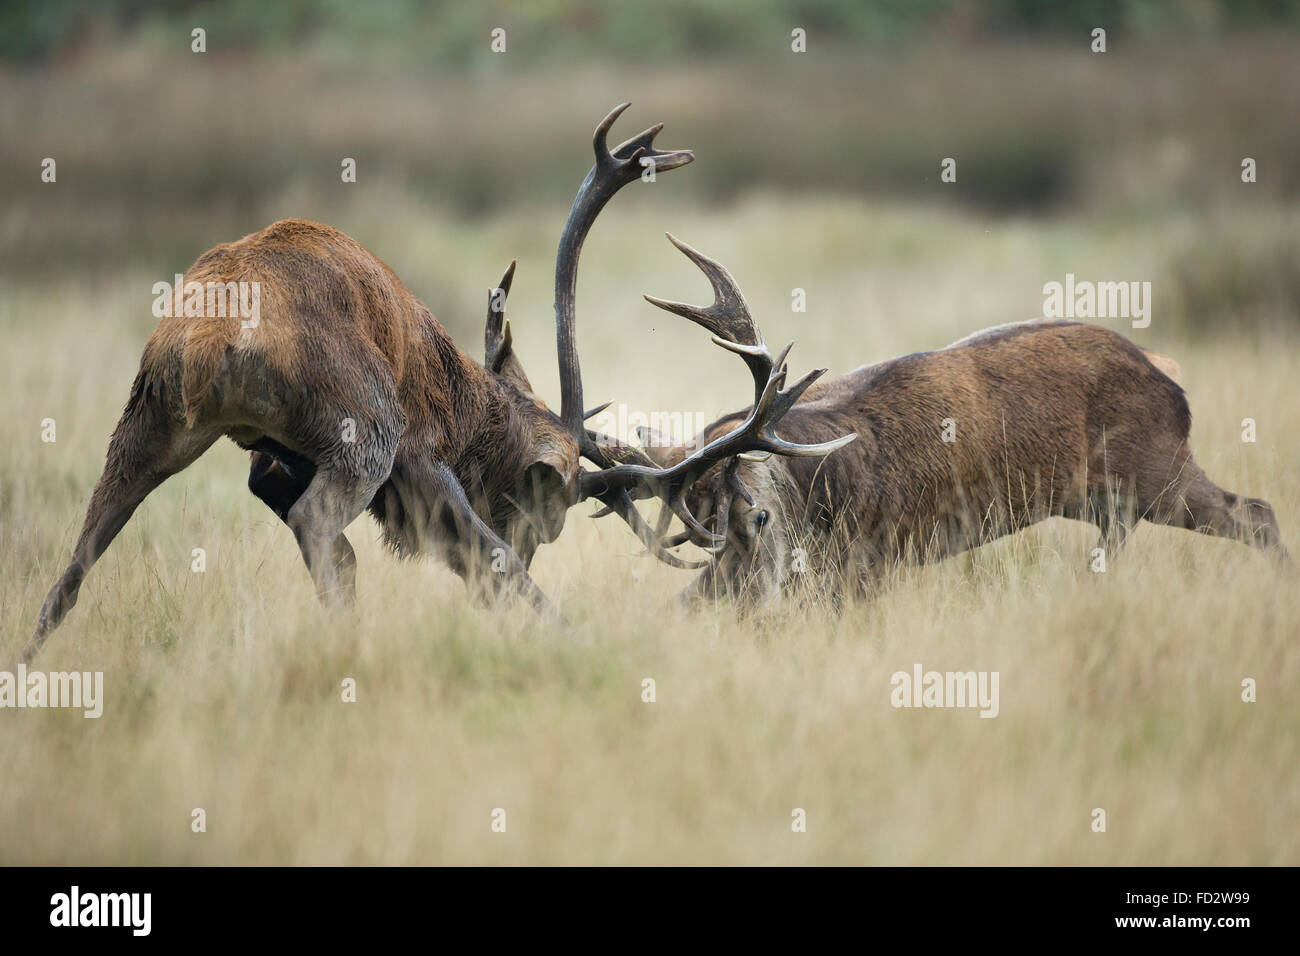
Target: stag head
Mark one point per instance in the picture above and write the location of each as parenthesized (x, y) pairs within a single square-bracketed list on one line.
[(749, 437), (755, 504)]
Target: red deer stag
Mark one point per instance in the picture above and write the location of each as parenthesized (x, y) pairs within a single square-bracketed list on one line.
[(1042, 418), (351, 396)]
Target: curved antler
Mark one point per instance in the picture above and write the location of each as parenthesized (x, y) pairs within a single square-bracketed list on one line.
[(627, 474), (613, 170)]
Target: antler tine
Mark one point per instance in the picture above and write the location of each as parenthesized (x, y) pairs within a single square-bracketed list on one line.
[(670, 559), (662, 525), (737, 484), (678, 504), (496, 333), (695, 532), (620, 452), (733, 328), (673, 484), (655, 539), (728, 317), (631, 150), (603, 155), (621, 504), (780, 446), (730, 488)]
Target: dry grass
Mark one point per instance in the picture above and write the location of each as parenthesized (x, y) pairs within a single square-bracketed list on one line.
[(1118, 691)]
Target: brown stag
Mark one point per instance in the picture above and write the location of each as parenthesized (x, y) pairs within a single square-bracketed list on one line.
[(351, 396), (956, 447)]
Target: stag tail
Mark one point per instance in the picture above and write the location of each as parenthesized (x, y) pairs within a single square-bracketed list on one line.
[(1167, 366)]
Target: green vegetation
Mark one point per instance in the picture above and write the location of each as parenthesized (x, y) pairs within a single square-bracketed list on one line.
[(450, 32)]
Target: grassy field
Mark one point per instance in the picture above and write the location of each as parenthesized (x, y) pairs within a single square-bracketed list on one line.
[(1119, 690)]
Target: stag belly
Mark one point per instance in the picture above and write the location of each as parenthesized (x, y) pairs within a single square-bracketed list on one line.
[(970, 515)]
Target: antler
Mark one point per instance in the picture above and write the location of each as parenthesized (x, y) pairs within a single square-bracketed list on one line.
[(613, 170), (733, 328), (496, 333), (728, 318), (626, 473)]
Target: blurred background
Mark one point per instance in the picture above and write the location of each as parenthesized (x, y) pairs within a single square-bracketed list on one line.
[(821, 167)]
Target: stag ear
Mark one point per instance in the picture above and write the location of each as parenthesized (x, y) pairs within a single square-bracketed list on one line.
[(548, 486), (499, 354), (547, 491)]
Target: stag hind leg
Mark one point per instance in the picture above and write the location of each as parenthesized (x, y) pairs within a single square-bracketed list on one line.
[(280, 486), (1194, 502), (148, 446)]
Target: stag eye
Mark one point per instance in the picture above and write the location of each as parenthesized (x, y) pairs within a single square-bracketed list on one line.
[(762, 521)]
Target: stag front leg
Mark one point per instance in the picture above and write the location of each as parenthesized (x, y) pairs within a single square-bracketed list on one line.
[(280, 488), (482, 558)]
